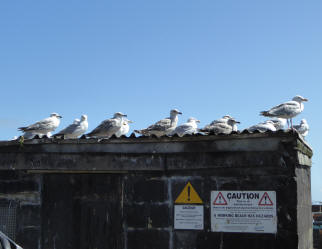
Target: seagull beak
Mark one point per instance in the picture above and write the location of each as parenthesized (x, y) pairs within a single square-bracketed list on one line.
[(59, 116), (179, 112), (124, 115), (130, 121), (198, 121), (304, 99), (237, 122)]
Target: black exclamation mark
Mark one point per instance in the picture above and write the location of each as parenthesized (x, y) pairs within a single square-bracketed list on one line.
[(265, 199), (188, 193)]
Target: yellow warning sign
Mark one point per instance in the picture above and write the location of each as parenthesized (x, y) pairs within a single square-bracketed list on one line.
[(188, 195)]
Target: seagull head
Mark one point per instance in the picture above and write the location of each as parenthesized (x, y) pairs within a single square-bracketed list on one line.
[(76, 121), (191, 119), (175, 112), (54, 114), (83, 117), (299, 99), (227, 117), (119, 115)]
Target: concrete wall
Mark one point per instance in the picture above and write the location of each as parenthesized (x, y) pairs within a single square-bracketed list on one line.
[(120, 193)]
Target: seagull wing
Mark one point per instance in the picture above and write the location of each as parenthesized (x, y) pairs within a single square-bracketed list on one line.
[(73, 128), (221, 120), (221, 128), (301, 128), (44, 124), (183, 129), (161, 125), (285, 109), (107, 126)]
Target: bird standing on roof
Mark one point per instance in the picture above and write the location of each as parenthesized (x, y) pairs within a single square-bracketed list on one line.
[(221, 128), (108, 127), (287, 110), (74, 130), (124, 128), (302, 128), (162, 127), (268, 125), (44, 126), (190, 127)]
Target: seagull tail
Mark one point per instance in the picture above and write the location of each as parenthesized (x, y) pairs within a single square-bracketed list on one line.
[(265, 113), (24, 129), (58, 134), (142, 132), (89, 134)]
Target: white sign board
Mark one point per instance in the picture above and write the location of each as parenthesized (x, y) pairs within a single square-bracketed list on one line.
[(188, 217), (243, 211)]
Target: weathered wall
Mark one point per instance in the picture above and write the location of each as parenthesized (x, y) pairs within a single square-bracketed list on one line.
[(120, 193), (22, 192)]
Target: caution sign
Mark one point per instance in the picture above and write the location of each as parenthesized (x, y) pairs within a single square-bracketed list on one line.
[(243, 211), (189, 215), (220, 200), (188, 196)]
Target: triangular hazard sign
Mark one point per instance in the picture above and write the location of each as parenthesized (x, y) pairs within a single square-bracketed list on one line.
[(188, 196), (220, 200), (265, 200)]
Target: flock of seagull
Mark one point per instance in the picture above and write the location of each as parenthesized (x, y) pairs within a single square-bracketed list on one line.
[(118, 125)]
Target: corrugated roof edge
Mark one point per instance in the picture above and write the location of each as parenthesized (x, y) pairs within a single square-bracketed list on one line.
[(134, 137)]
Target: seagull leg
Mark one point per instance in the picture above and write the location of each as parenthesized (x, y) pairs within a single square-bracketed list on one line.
[(292, 125), (288, 124)]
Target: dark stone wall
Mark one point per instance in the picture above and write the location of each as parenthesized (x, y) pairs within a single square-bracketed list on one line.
[(22, 192), (87, 195), (304, 216), (82, 211), (135, 211)]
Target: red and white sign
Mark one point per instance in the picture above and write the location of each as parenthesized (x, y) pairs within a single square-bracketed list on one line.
[(243, 211), (265, 200), (220, 200)]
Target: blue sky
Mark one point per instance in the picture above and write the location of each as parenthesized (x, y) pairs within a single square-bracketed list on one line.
[(206, 58)]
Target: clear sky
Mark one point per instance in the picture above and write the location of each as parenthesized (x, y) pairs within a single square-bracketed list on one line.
[(206, 58)]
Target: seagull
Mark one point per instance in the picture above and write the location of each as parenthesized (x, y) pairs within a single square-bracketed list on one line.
[(162, 127), (302, 128), (287, 110), (74, 130), (268, 125), (44, 126), (224, 128), (190, 127), (279, 123), (224, 119), (124, 129), (108, 127)]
